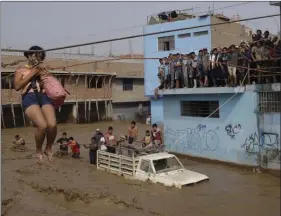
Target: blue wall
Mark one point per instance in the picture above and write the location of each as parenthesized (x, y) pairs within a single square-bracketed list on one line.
[(182, 45), (217, 138), (156, 111)]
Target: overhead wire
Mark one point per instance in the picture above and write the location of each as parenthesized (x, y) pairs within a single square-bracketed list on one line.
[(143, 35)]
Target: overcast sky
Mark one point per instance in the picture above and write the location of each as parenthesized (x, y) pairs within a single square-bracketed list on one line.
[(51, 24)]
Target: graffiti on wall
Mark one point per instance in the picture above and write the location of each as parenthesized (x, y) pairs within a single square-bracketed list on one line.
[(266, 147), (194, 139), (232, 130)]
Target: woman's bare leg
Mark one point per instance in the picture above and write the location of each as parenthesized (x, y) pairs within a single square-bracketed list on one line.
[(50, 116), (34, 113)]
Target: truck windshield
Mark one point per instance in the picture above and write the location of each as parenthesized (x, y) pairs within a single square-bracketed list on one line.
[(166, 164)]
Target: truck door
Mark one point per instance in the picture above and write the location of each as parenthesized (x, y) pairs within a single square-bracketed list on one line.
[(145, 171)]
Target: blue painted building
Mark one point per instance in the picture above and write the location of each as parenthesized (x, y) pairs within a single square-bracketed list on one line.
[(158, 46), (244, 130)]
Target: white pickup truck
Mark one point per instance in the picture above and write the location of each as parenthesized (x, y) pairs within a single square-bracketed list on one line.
[(163, 168)]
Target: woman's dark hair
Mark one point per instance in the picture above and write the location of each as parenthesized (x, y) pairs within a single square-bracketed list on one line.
[(17, 136), (33, 50), (154, 125), (71, 138), (110, 128), (133, 122)]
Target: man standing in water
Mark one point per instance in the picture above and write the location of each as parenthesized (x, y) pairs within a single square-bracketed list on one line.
[(132, 132), (93, 148), (63, 141)]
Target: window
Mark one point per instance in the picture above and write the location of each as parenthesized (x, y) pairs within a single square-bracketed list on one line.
[(166, 164), (61, 78), (127, 84), (7, 82), (92, 82), (145, 166), (166, 43), (184, 35), (200, 33), (269, 101), (200, 108)]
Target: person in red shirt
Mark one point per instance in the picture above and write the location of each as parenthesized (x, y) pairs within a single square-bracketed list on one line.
[(75, 147)]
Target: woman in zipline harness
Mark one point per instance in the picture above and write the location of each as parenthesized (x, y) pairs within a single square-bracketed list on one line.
[(36, 104)]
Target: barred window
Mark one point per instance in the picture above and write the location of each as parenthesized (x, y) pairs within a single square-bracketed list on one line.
[(166, 43), (200, 109), (269, 101)]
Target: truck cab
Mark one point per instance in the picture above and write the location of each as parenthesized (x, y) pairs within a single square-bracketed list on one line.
[(166, 169)]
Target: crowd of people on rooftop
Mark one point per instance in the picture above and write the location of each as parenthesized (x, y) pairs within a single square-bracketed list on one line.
[(251, 62)]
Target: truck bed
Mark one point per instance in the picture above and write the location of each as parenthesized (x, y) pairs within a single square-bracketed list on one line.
[(116, 163)]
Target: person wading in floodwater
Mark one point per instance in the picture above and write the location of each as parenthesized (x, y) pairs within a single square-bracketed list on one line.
[(93, 148), (37, 106)]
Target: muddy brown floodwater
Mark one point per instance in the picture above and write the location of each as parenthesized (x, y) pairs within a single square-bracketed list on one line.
[(74, 187)]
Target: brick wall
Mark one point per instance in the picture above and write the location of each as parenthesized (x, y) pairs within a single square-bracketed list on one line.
[(227, 34)]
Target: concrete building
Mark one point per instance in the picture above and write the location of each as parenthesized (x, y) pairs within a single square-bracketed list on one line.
[(89, 84), (128, 100), (236, 125)]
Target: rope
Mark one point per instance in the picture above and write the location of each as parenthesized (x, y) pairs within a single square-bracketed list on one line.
[(143, 35)]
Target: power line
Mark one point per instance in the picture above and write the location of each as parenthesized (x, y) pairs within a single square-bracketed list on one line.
[(143, 35)]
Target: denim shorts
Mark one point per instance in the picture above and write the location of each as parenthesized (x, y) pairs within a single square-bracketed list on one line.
[(31, 99)]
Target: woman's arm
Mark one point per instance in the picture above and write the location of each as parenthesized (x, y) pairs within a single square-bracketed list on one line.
[(19, 82)]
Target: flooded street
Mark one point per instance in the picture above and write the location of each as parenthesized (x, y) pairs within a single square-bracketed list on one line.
[(74, 187)]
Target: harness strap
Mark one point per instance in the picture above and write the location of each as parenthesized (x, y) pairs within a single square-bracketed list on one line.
[(35, 89)]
